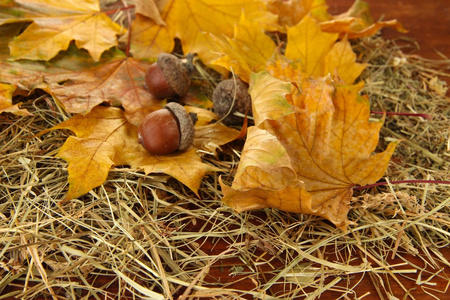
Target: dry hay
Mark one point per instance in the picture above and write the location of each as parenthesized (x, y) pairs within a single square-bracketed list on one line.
[(148, 237)]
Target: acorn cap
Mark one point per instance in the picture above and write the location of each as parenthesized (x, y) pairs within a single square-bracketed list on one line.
[(185, 124), (224, 95), (175, 72)]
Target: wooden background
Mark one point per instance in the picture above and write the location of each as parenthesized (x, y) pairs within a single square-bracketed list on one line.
[(428, 22)]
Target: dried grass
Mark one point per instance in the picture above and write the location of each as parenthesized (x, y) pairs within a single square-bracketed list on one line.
[(148, 237)]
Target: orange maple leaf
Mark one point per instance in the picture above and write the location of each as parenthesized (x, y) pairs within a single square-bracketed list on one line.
[(325, 132)]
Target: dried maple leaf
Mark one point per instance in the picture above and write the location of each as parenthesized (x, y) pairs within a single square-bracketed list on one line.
[(6, 93), (265, 177), (119, 82), (104, 137), (149, 9), (319, 53), (357, 22), (291, 12), (64, 22), (188, 20), (246, 52), (148, 39), (325, 130), (211, 137), (209, 134)]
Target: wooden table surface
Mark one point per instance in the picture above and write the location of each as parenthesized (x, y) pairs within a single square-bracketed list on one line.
[(428, 22)]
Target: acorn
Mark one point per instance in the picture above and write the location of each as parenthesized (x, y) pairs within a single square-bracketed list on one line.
[(168, 77), (229, 96), (167, 130)]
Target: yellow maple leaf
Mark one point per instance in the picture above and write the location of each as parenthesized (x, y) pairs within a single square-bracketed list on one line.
[(6, 105), (80, 21), (104, 137), (57, 7), (18, 11), (246, 52), (148, 39), (189, 20), (265, 177), (341, 60), (308, 43), (260, 168), (319, 53), (328, 138), (210, 134)]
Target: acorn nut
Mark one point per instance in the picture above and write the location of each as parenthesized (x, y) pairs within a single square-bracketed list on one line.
[(166, 130), (224, 97), (168, 77)]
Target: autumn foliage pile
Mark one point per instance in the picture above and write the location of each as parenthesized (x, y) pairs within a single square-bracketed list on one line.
[(311, 142)]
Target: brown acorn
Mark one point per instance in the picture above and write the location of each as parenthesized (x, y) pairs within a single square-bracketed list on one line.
[(168, 77), (167, 130), (229, 96)]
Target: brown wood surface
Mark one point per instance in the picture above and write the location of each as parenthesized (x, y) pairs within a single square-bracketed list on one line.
[(428, 22)]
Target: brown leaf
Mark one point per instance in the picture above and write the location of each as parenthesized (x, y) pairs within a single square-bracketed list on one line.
[(119, 82), (79, 85)]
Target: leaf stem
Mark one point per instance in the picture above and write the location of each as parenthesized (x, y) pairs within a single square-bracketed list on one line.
[(401, 181), (401, 114), (113, 11), (127, 51)]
